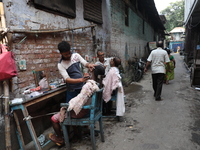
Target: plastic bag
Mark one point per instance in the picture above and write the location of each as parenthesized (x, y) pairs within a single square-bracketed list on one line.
[(7, 64)]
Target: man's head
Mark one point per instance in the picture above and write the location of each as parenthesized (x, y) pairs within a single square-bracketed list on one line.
[(116, 61), (64, 48), (100, 55), (99, 70), (160, 44)]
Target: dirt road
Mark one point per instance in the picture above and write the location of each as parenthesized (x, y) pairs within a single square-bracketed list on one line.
[(171, 124)]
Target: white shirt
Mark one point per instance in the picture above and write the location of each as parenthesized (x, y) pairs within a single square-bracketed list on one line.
[(65, 64), (158, 57)]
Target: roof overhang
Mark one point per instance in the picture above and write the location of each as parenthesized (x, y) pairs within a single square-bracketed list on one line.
[(194, 14)]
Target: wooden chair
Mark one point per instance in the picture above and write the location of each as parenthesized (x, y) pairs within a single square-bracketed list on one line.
[(94, 115)]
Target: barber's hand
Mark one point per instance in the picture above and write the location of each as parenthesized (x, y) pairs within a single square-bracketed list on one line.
[(85, 78), (91, 67), (86, 74)]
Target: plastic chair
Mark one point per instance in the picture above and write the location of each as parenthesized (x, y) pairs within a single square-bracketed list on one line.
[(94, 115)]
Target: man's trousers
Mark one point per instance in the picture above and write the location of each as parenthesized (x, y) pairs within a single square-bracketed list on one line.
[(158, 80)]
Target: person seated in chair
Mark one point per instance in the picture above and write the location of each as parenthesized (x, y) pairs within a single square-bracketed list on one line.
[(83, 98), (111, 82), (87, 90)]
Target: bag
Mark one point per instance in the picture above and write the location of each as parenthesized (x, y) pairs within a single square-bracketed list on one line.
[(7, 64)]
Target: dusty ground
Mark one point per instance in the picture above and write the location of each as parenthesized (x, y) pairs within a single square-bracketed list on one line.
[(171, 124)]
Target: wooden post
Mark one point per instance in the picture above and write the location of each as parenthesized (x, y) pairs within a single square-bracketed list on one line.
[(3, 21), (7, 117), (6, 88)]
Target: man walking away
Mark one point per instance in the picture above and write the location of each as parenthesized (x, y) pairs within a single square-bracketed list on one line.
[(157, 60)]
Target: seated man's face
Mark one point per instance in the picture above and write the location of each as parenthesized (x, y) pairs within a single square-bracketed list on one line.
[(112, 63), (115, 62), (100, 55)]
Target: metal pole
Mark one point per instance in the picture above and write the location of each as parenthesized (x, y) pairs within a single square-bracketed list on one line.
[(45, 31), (72, 41)]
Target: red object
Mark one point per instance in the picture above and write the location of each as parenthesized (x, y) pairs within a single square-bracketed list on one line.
[(7, 64), (35, 89)]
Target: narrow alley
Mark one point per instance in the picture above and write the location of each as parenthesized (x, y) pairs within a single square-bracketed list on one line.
[(49, 50), (171, 124)]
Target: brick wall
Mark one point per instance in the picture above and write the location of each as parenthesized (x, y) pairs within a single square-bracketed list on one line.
[(41, 53)]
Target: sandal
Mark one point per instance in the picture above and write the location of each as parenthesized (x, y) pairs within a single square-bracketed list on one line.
[(55, 139)]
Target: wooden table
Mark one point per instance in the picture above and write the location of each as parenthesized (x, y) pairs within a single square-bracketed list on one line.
[(23, 107)]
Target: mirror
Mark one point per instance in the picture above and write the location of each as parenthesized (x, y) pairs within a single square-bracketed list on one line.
[(41, 79)]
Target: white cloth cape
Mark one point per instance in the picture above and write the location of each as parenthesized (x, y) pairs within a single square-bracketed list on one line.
[(111, 82)]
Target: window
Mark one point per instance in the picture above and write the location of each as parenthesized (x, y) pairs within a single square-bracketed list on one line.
[(126, 15), (93, 10), (61, 7)]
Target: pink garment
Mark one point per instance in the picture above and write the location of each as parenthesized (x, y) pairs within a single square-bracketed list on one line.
[(110, 82), (80, 100)]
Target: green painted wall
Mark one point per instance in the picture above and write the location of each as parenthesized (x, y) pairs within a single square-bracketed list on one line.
[(129, 41)]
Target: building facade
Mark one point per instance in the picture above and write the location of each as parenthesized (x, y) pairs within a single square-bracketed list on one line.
[(177, 41), (191, 20), (32, 29), (192, 40)]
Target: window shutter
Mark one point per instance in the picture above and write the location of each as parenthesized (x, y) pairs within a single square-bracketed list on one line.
[(63, 7), (93, 11)]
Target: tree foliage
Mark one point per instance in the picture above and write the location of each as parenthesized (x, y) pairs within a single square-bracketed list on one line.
[(174, 15)]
